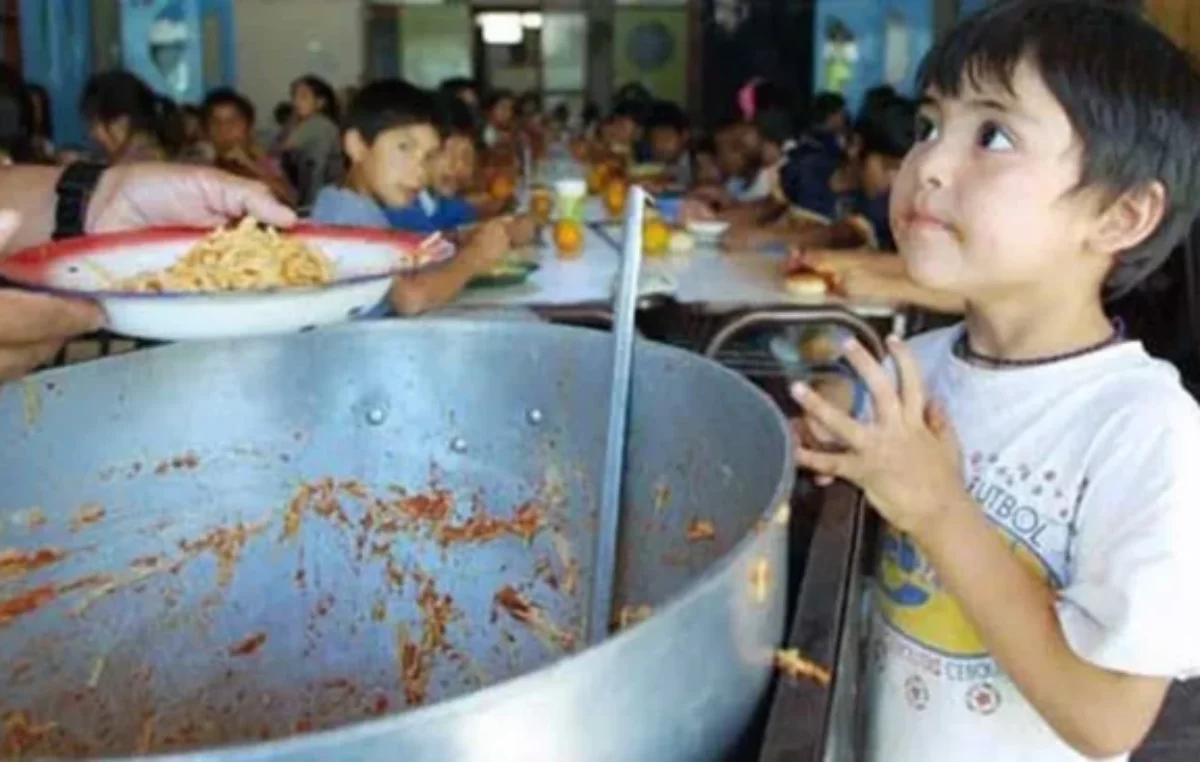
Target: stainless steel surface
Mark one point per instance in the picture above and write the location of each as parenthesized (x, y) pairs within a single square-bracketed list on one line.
[(168, 583), (609, 526)]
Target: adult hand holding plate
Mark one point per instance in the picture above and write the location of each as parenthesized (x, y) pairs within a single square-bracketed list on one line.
[(34, 327)]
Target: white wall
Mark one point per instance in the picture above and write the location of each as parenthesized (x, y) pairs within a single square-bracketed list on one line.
[(279, 40)]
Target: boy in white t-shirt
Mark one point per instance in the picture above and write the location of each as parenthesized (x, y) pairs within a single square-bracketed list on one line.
[(1039, 474)]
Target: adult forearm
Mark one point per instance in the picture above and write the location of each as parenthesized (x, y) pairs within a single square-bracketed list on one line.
[(29, 190), (1098, 712)]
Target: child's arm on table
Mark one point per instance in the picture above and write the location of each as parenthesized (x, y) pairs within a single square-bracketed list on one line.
[(483, 250), (1099, 712)]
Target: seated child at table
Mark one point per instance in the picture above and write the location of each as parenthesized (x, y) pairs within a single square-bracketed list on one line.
[(500, 117), (444, 206), (830, 123), (854, 196), (668, 129), (840, 202), (390, 133), (750, 155)]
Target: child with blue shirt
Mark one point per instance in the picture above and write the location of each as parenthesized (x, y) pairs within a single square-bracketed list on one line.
[(390, 134)]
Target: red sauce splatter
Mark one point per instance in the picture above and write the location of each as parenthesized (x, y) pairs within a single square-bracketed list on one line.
[(249, 645), (26, 603), (18, 563)]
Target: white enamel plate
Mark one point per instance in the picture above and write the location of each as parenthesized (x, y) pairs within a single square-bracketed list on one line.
[(365, 261)]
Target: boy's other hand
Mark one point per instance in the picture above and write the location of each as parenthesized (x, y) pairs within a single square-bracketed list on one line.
[(522, 230), (488, 246), (907, 461)]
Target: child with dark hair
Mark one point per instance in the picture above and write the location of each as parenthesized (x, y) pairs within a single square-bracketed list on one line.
[(41, 123), (128, 120), (392, 133), (312, 149), (446, 204), (669, 131), (195, 148), (463, 88), (829, 123), (500, 118), (840, 204), (1034, 466), (228, 118)]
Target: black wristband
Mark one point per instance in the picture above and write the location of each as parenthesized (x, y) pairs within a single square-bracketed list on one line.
[(74, 189)]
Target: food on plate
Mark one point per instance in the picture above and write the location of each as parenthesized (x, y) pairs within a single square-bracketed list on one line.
[(568, 237), (791, 663), (806, 284), (243, 258), (656, 238)]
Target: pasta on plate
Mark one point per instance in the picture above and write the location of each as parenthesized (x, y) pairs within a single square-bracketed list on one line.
[(243, 258)]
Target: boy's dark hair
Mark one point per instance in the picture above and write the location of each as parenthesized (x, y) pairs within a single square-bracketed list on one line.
[(1132, 96), (387, 104), (456, 117), (775, 125), (877, 96), (495, 97), (227, 96), (825, 105), (667, 115), (632, 109), (117, 94), (322, 90), (283, 113), (455, 85), (888, 128)]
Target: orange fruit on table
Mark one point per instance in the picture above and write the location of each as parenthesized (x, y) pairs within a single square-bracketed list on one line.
[(568, 237), (597, 177), (656, 238), (615, 194), (502, 187)]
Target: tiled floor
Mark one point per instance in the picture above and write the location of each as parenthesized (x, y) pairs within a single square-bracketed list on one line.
[(1176, 737)]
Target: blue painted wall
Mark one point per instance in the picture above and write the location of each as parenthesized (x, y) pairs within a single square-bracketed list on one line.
[(56, 53), (868, 21)]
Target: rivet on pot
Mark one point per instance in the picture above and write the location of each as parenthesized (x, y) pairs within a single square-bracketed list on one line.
[(376, 416), (458, 444), (534, 416)]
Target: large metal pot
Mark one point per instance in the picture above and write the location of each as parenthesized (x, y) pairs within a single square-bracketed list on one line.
[(211, 550)]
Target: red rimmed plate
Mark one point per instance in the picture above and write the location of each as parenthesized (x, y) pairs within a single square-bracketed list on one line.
[(365, 261)]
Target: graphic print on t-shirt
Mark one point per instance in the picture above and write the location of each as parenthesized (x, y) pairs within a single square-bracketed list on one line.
[(1033, 514)]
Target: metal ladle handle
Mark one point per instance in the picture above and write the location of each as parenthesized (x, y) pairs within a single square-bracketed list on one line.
[(609, 527)]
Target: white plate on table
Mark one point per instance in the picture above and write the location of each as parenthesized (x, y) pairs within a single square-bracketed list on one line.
[(707, 231), (364, 261)]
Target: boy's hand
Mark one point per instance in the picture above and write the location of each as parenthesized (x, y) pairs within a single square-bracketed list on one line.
[(907, 461), (488, 246), (522, 230)]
